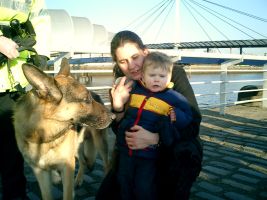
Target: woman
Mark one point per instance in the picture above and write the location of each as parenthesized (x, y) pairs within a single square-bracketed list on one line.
[(179, 163)]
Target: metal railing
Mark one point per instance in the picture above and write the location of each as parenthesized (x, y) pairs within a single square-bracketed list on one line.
[(223, 82), (221, 93)]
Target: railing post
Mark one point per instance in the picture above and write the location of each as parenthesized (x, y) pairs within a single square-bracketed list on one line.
[(223, 78), (264, 86)]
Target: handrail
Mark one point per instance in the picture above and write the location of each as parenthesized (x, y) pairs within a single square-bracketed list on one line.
[(240, 91), (233, 103), (109, 72), (222, 93), (233, 81)]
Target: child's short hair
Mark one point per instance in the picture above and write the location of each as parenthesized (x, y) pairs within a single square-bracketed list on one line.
[(157, 59)]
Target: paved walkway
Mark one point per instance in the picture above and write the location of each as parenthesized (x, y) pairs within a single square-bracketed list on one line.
[(235, 159), (235, 155)]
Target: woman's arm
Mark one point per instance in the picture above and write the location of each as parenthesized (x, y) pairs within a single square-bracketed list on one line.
[(181, 110), (140, 138), (182, 85)]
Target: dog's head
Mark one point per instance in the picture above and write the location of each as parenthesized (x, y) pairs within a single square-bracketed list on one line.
[(65, 99)]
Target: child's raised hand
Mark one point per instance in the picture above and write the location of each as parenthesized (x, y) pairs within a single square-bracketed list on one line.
[(120, 93)]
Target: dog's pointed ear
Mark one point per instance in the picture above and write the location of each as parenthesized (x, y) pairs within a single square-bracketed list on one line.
[(44, 85), (64, 67)]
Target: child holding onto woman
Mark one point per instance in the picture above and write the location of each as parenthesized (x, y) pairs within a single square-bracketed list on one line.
[(152, 102), (178, 164)]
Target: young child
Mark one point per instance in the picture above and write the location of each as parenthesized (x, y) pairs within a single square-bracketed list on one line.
[(152, 102)]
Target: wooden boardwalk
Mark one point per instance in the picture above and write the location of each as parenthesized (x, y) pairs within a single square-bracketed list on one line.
[(234, 166)]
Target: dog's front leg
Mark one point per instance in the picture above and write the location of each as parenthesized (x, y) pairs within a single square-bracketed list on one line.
[(68, 180), (45, 183), (82, 166)]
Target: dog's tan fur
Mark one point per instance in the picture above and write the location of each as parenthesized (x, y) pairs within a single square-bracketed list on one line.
[(47, 120)]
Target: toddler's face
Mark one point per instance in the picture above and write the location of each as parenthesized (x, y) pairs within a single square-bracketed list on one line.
[(156, 79)]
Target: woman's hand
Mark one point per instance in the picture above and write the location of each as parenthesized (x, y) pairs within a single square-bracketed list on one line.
[(8, 47), (139, 138), (120, 94), (172, 116)]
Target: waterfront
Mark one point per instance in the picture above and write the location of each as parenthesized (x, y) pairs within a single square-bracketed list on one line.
[(235, 152)]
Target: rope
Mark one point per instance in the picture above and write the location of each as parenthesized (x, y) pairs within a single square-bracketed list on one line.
[(141, 16), (150, 17), (209, 23), (155, 19), (210, 10), (163, 22), (197, 21), (240, 12)]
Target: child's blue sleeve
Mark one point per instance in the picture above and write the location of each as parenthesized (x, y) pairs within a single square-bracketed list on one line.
[(182, 111)]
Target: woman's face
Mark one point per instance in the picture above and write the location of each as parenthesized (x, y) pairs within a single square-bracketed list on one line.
[(130, 59)]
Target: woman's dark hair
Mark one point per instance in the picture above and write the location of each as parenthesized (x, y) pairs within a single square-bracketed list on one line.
[(120, 39)]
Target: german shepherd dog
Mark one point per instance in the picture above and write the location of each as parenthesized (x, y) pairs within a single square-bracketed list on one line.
[(50, 125)]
